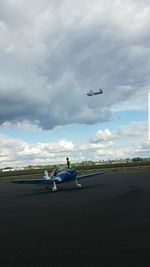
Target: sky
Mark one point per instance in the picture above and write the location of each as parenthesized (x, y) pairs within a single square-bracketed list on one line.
[(52, 53)]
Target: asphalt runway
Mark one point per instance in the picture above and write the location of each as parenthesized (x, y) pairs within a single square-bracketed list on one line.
[(106, 223)]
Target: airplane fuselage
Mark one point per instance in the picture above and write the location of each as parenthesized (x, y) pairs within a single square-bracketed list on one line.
[(92, 93), (66, 175)]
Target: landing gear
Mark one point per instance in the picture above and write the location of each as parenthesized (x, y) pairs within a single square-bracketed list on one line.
[(77, 184), (54, 188)]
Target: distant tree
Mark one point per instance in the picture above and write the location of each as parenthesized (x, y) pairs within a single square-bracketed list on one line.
[(137, 159)]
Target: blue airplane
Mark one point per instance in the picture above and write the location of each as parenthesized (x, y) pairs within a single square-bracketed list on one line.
[(58, 176)]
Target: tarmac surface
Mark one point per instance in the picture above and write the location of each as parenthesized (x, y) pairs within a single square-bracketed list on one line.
[(106, 223)]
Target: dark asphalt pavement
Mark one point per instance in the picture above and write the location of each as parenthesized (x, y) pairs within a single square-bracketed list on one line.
[(106, 223)]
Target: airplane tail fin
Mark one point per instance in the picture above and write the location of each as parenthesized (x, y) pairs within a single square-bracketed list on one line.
[(46, 175), (52, 174)]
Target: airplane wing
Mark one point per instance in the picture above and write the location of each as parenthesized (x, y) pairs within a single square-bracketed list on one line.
[(89, 175), (54, 179), (34, 181)]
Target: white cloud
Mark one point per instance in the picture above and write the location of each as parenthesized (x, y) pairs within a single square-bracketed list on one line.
[(16, 152), (126, 141), (26, 125), (48, 60), (134, 129), (104, 135)]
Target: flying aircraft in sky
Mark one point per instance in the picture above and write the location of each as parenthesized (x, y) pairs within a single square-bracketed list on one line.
[(98, 92), (58, 176)]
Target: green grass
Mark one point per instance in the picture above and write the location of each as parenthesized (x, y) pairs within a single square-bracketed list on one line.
[(119, 169)]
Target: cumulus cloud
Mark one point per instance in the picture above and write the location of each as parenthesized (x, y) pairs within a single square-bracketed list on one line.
[(132, 130), (16, 152), (130, 140), (106, 144), (104, 135), (26, 125), (52, 52)]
